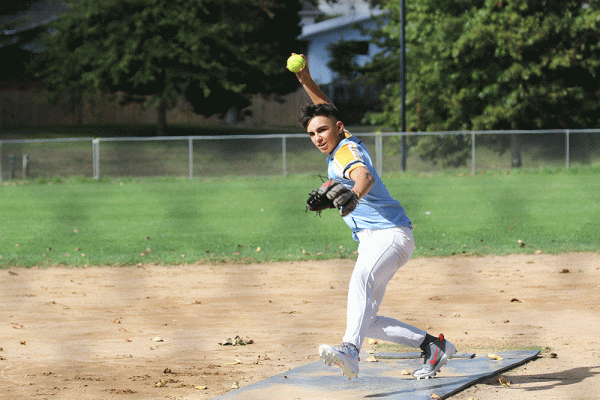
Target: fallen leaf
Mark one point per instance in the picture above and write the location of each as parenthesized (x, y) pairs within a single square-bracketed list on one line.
[(235, 385), (160, 383), (494, 356), (503, 381), (405, 372), (372, 358), (565, 271), (201, 387), (435, 396), (157, 339), (515, 300)]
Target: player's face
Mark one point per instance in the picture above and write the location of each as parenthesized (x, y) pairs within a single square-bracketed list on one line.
[(325, 133)]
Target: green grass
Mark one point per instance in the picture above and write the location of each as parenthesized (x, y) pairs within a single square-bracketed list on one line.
[(127, 221)]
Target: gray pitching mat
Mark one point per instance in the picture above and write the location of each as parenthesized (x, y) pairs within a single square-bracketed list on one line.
[(383, 379)]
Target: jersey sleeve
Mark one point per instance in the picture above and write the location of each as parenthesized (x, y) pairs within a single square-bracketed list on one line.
[(346, 159)]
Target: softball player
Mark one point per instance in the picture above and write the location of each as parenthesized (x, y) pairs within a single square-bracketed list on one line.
[(383, 230)]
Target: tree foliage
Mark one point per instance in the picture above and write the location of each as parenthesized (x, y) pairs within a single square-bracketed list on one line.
[(492, 64), (214, 53), (8, 7), (15, 57), (343, 55)]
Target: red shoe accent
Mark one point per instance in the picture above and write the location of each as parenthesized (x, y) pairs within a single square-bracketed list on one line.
[(436, 350), (435, 357)]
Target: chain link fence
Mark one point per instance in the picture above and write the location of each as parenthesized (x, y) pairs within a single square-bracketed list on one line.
[(288, 154)]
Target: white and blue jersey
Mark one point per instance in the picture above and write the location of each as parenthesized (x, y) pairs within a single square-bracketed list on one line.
[(378, 209)]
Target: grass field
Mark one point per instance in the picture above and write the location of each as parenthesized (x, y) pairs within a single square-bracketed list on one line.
[(127, 221)]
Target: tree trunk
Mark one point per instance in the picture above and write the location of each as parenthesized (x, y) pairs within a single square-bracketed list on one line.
[(232, 116), (162, 118), (515, 145)]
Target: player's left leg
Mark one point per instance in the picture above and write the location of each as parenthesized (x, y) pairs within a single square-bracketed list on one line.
[(436, 354), (437, 351)]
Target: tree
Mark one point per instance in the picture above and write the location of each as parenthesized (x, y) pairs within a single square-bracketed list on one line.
[(493, 64), (214, 53), (8, 7), (343, 56), (16, 38)]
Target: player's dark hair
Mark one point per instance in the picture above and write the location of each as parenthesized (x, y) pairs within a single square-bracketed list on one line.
[(310, 111)]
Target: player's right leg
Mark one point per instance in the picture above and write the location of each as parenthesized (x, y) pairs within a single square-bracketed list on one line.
[(345, 356), (381, 253)]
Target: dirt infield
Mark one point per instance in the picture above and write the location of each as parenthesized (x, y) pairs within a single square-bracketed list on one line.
[(156, 332)]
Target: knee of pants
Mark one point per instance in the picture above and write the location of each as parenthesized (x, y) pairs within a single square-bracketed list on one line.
[(362, 279)]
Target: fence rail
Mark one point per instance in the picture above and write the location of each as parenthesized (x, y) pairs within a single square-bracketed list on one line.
[(284, 154)]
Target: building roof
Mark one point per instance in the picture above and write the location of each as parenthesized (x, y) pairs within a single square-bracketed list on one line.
[(309, 31), (309, 9), (41, 13)]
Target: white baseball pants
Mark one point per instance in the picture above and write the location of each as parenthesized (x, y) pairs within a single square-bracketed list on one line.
[(381, 252)]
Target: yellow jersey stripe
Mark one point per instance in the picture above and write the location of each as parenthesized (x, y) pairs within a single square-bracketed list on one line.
[(346, 159)]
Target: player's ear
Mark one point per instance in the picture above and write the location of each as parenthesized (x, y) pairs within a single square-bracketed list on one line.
[(340, 126)]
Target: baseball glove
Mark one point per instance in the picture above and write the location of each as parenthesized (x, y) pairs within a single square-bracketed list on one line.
[(332, 194)]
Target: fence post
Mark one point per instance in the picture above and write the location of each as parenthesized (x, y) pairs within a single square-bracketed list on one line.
[(473, 153), (191, 157), (567, 147), (96, 158), (284, 154), (379, 152), (25, 166), (11, 166)]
